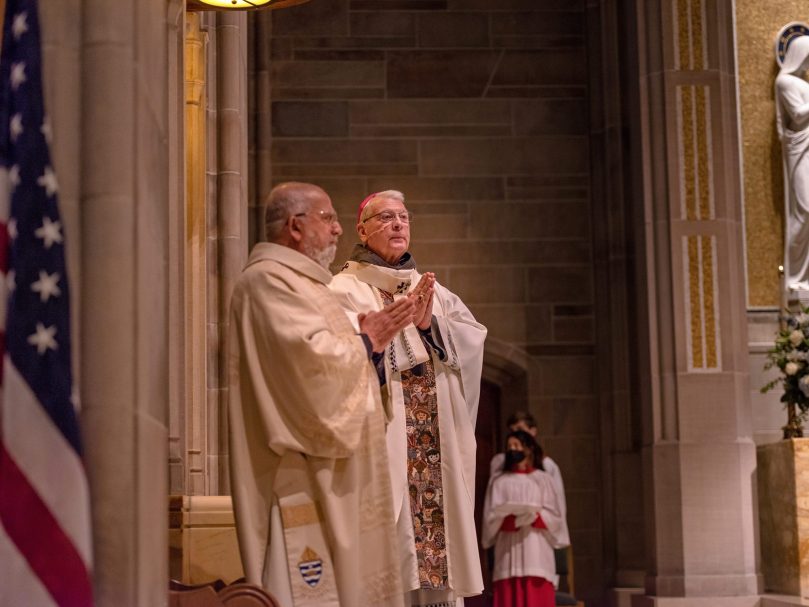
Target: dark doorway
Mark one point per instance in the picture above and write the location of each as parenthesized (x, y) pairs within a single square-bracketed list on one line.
[(489, 435)]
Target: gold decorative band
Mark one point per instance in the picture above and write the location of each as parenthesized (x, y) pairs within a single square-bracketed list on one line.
[(300, 515), (702, 313), (690, 35), (695, 153)]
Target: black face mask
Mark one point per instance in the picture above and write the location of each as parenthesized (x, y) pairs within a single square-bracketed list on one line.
[(513, 457)]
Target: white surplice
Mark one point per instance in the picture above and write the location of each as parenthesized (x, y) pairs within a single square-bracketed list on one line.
[(458, 379), (309, 469), (549, 466), (527, 551)]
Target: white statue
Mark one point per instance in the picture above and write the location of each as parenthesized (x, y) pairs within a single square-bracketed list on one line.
[(792, 122)]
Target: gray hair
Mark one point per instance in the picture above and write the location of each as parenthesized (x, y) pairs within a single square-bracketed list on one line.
[(284, 201), (387, 194)]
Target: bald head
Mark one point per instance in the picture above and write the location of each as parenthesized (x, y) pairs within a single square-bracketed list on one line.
[(284, 201), (300, 216)]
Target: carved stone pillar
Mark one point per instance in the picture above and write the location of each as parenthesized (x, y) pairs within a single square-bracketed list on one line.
[(196, 258), (613, 81), (214, 242), (228, 229), (699, 456), (125, 211)]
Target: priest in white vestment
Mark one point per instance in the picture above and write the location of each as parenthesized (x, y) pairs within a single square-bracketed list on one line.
[(430, 377), (311, 492), (522, 519)]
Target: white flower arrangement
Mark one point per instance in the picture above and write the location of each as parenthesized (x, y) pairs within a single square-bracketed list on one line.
[(791, 355)]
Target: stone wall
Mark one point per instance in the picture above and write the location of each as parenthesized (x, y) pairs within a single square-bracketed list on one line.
[(478, 111)]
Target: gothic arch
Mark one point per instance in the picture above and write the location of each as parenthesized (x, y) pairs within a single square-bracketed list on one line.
[(506, 367)]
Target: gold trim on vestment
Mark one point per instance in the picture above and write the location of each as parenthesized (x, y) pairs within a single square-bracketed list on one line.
[(297, 516)]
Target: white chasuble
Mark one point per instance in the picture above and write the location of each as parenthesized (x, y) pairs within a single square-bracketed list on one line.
[(309, 468), (455, 372)]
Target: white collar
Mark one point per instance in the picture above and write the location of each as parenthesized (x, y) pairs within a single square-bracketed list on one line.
[(385, 279), (269, 251)]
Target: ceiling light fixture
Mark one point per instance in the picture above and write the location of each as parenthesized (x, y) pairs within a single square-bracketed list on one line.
[(238, 5)]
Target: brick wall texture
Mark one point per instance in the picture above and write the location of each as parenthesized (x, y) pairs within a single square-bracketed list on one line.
[(478, 111)]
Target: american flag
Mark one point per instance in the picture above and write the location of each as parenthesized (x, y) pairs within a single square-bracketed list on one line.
[(45, 543)]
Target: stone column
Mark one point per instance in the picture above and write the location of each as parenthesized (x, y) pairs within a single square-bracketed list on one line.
[(214, 241), (61, 42), (125, 213), (197, 269), (699, 457), (177, 253), (613, 81), (228, 228)]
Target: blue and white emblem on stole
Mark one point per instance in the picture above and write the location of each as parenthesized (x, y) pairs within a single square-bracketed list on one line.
[(311, 567)]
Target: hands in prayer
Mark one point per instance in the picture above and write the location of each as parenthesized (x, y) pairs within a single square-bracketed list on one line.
[(422, 295), (381, 327), (417, 308)]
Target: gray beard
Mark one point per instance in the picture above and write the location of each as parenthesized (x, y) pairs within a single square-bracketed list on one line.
[(322, 257)]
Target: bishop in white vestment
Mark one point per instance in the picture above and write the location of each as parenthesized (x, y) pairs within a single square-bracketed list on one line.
[(430, 376)]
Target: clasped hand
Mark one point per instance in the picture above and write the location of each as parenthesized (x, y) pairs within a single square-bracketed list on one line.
[(422, 295), (381, 327), (417, 308)]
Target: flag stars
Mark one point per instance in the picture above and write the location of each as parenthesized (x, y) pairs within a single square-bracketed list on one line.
[(14, 176), (15, 126), (49, 232), (45, 129), (19, 26), (11, 228), (47, 285), (17, 75), (43, 338), (48, 181), (75, 400)]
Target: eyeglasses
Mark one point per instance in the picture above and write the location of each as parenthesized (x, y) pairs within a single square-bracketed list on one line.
[(389, 216), (328, 217)]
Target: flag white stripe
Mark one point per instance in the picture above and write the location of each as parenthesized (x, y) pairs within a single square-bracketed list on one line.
[(3, 298), (46, 459), (27, 588), (5, 194)]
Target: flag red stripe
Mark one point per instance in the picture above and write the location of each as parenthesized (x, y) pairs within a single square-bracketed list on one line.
[(2, 367), (4, 247), (40, 539)]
